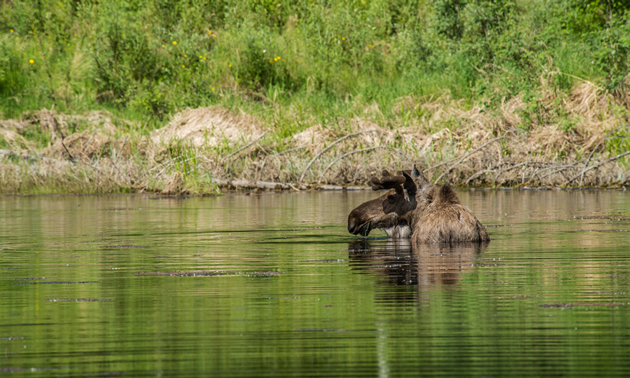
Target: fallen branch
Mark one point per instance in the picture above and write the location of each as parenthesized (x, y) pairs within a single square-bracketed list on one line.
[(477, 174), (526, 163), (560, 168), (472, 152), (357, 151), (493, 169), (245, 184), (329, 147)]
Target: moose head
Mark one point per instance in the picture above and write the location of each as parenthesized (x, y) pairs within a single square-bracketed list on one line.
[(433, 213), (370, 215)]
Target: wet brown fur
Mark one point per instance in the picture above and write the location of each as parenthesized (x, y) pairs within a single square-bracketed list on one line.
[(434, 213)]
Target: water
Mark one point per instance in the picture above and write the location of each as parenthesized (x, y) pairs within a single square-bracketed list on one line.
[(273, 285)]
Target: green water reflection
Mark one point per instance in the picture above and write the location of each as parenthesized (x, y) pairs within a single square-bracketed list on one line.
[(273, 285)]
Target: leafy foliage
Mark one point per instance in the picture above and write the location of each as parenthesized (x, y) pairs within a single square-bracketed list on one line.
[(158, 56)]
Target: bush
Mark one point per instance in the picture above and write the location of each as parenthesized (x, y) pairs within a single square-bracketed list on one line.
[(158, 56)]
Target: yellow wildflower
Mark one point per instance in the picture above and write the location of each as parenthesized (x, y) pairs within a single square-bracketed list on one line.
[(212, 88), (343, 39), (75, 34), (11, 30), (31, 61), (200, 57), (174, 42), (183, 66), (185, 56), (229, 65), (210, 32)]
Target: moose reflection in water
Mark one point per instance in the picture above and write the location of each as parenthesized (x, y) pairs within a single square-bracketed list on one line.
[(431, 214), (424, 264)]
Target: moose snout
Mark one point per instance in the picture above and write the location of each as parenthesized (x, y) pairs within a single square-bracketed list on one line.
[(356, 223), (352, 225)]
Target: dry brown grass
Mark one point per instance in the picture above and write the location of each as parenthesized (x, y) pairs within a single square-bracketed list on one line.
[(208, 127), (182, 157)]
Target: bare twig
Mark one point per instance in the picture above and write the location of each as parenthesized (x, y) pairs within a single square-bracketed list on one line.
[(262, 166), (472, 152), (477, 174), (87, 143), (164, 164), (329, 147), (598, 164), (559, 168), (595, 149), (357, 151), (172, 161), (584, 80), (247, 145), (526, 163), (121, 148), (438, 165), (286, 151), (117, 170), (493, 169)]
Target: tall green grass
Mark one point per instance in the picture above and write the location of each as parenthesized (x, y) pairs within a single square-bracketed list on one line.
[(149, 58)]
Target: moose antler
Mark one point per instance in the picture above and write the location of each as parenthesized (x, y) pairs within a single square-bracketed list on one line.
[(388, 181)]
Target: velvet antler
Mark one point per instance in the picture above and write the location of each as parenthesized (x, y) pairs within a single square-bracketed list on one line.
[(388, 181)]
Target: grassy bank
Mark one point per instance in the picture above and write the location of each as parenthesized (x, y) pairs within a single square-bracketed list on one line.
[(436, 80)]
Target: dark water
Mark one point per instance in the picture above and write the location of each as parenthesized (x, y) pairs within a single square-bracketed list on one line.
[(273, 285)]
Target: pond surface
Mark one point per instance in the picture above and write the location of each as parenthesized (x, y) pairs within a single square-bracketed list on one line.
[(273, 285)]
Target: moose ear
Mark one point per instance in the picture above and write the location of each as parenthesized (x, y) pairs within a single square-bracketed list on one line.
[(420, 179), (415, 173), (410, 184)]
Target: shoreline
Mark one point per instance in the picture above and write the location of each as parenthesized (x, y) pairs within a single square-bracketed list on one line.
[(205, 150)]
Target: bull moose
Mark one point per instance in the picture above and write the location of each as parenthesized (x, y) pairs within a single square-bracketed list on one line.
[(429, 213)]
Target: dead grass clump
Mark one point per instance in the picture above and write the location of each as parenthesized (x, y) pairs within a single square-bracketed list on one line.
[(14, 140), (175, 185), (314, 137), (208, 127), (82, 145)]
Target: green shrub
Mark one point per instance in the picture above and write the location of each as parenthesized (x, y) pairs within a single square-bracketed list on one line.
[(158, 56)]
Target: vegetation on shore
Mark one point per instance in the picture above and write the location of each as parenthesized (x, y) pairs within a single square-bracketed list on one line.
[(541, 87)]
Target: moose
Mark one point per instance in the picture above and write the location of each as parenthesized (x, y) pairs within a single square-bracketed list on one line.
[(429, 213)]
